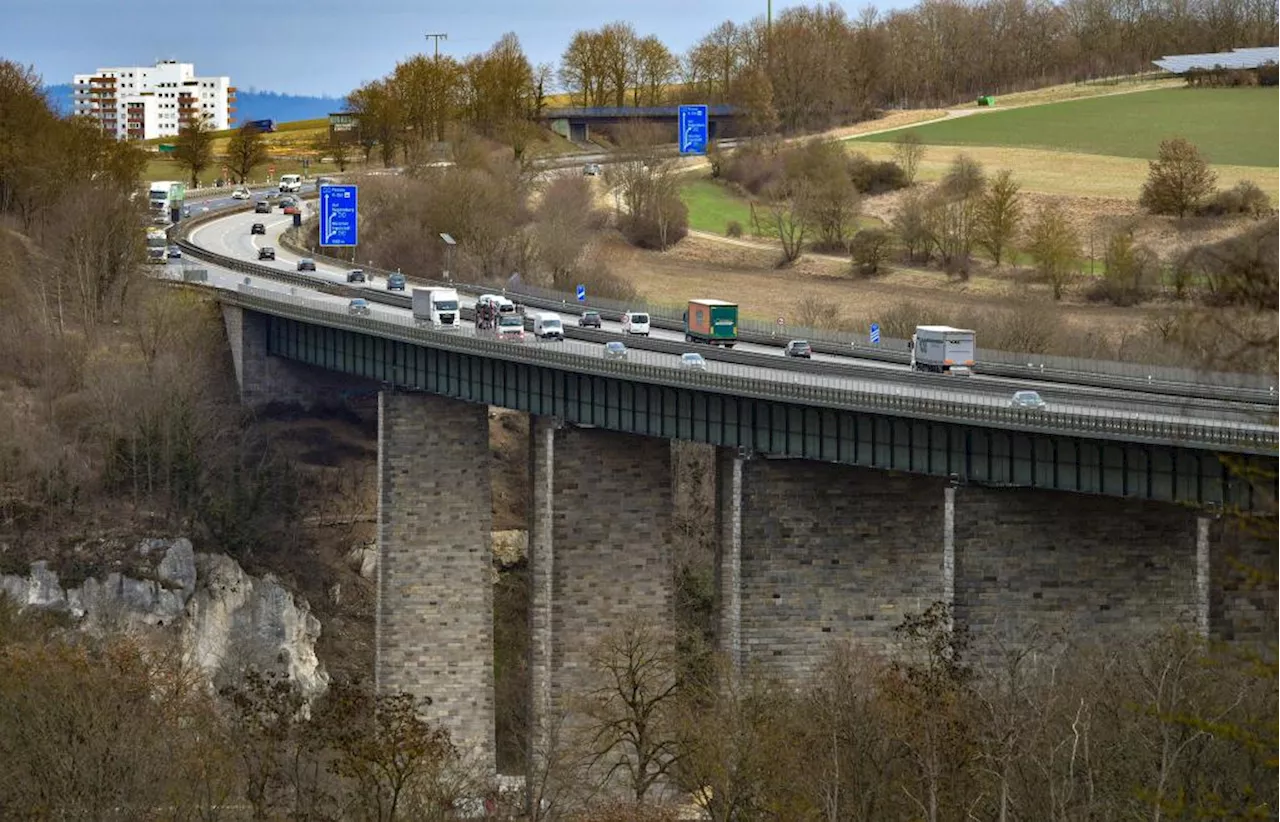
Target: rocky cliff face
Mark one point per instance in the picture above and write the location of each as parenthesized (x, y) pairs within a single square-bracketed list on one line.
[(226, 619)]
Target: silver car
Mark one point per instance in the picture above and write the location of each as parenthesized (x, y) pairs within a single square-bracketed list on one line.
[(1027, 399), (615, 351), (693, 362), (359, 307)]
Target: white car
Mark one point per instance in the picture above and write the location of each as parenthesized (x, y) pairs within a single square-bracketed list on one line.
[(591, 170), (241, 194)]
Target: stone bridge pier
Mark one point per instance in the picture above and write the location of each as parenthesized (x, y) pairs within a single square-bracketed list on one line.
[(811, 553), (435, 567)]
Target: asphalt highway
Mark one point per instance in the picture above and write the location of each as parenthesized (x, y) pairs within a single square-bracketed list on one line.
[(231, 236)]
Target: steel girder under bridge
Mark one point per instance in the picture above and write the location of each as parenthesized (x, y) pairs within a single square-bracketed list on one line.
[(782, 427)]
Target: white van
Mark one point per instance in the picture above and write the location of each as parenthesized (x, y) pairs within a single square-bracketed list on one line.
[(548, 326), (636, 322), (290, 182)]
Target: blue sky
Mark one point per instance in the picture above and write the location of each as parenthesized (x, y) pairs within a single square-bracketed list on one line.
[(327, 46)]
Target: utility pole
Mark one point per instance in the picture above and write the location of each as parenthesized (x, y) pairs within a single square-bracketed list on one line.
[(442, 36)]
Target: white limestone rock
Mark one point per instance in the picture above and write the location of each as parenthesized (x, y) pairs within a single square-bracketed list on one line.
[(226, 619)]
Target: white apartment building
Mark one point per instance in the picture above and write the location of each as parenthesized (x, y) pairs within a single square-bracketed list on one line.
[(142, 102)]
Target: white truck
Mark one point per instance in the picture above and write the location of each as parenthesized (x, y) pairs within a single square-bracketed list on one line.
[(290, 183), (942, 349), (437, 306)]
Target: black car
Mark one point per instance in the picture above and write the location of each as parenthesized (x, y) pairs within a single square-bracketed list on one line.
[(262, 207), (798, 348), (258, 228), (589, 319), (306, 264), (355, 275), (266, 253)]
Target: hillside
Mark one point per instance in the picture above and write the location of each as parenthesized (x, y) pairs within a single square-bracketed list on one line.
[(250, 104)]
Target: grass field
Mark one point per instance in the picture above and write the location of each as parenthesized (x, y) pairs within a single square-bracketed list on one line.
[(1231, 126), (712, 206)]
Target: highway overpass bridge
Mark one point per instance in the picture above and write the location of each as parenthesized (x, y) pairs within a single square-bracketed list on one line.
[(845, 499), (576, 124)]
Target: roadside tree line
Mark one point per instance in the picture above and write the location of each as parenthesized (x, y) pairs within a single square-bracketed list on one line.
[(816, 67), (421, 103)]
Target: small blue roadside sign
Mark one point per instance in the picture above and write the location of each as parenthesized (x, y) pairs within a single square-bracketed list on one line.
[(338, 216), (875, 333), (582, 293), (693, 129)]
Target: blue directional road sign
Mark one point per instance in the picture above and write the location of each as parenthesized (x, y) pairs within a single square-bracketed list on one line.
[(338, 215), (693, 129), (582, 293), (875, 333)]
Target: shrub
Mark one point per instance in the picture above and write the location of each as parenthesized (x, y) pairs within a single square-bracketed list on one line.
[(869, 249), (662, 224), (872, 178), (1243, 198), (753, 166), (733, 229), (1177, 180), (1130, 275)]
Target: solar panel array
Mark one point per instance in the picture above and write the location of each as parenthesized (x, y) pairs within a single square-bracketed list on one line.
[(1250, 58)]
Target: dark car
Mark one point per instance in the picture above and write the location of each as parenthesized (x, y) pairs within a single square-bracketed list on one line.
[(589, 319), (262, 207), (306, 264), (798, 348), (258, 228), (395, 282), (355, 275), (266, 253)]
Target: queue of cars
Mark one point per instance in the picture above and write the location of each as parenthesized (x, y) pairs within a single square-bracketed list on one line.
[(549, 326)]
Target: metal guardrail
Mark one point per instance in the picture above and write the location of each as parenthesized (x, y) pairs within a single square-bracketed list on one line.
[(1176, 382), (826, 391), (847, 366)]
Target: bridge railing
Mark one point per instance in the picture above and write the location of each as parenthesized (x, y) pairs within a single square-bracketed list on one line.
[(814, 389)]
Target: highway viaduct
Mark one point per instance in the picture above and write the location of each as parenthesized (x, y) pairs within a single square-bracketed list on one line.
[(836, 515)]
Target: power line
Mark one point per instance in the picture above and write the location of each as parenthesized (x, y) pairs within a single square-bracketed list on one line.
[(437, 38)]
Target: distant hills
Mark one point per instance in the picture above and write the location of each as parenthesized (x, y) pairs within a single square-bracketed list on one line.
[(250, 104)]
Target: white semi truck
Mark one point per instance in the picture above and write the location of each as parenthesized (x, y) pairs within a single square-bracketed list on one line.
[(437, 306), (942, 349)]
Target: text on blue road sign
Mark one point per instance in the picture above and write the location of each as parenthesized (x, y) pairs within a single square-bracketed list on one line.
[(693, 129), (338, 215)]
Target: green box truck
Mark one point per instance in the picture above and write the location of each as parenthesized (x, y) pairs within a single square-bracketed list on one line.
[(711, 321)]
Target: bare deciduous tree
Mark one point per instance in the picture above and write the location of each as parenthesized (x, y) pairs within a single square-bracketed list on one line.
[(631, 730), (908, 151)]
